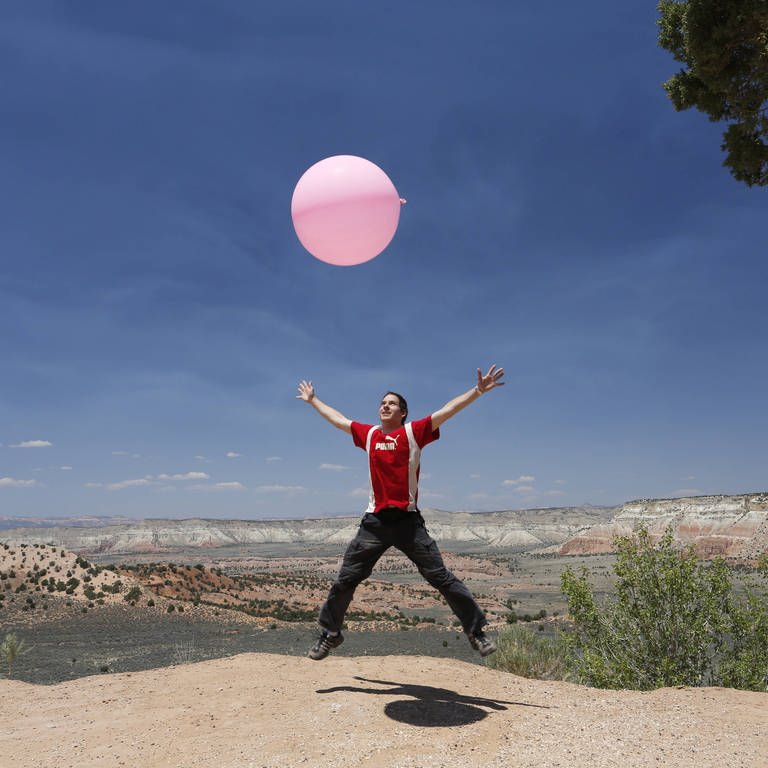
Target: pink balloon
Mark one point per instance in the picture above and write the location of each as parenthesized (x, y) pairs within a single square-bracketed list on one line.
[(345, 210)]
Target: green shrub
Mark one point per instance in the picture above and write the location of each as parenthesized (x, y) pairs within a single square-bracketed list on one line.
[(114, 588), (745, 665), (133, 594), (11, 648), (529, 654), (671, 620)]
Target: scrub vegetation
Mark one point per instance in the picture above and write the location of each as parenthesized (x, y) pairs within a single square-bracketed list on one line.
[(670, 620)]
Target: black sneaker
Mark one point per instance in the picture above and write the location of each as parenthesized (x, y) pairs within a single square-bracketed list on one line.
[(324, 645), (482, 643)]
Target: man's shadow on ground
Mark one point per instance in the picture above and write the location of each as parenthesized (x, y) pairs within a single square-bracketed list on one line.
[(430, 706)]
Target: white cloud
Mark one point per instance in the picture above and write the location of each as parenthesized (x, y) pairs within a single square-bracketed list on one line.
[(202, 459), (33, 444), (12, 482), (525, 479), (233, 485), (271, 459), (65, 468), (233, 455), (140, 482), (524, 489), (186, 476), (333, 467), (137, 483), (281, 488)]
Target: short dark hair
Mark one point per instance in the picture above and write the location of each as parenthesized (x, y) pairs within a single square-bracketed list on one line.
[(402, 402)]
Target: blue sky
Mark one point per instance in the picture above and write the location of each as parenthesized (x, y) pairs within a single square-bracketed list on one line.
[(563, 221)]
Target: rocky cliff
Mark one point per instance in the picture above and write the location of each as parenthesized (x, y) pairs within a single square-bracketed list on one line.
[(731, 526), (519, 529)]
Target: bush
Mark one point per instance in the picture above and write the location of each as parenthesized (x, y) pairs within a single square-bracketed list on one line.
[(671, 620), (528, 654), (114, 588), (133, 594), (11, 648), (746, 664)]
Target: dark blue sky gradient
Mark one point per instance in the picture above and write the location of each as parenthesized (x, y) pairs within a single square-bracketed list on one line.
[(562, 220)]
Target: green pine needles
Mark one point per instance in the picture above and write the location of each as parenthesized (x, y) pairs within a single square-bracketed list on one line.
[(723, 45)]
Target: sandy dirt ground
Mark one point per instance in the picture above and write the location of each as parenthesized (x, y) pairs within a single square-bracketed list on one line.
[(264, 711)]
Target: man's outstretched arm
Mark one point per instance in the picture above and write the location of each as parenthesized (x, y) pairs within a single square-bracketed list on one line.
[(338, 419), (484, 384)]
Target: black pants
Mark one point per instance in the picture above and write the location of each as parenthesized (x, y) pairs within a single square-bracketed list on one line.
[(406, 532)]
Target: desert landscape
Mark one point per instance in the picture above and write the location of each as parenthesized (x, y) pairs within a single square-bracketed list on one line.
[(192, 652), (269, 711)]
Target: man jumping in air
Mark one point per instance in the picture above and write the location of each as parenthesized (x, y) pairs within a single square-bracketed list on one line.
[(393, 518)]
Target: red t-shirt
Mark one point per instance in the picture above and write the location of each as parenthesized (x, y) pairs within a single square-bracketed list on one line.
[(393, 461)]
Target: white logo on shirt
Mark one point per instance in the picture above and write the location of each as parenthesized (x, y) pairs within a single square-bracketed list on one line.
[(389, 446)]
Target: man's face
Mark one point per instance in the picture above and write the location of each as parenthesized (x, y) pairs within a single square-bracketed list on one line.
[(390, 412)]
